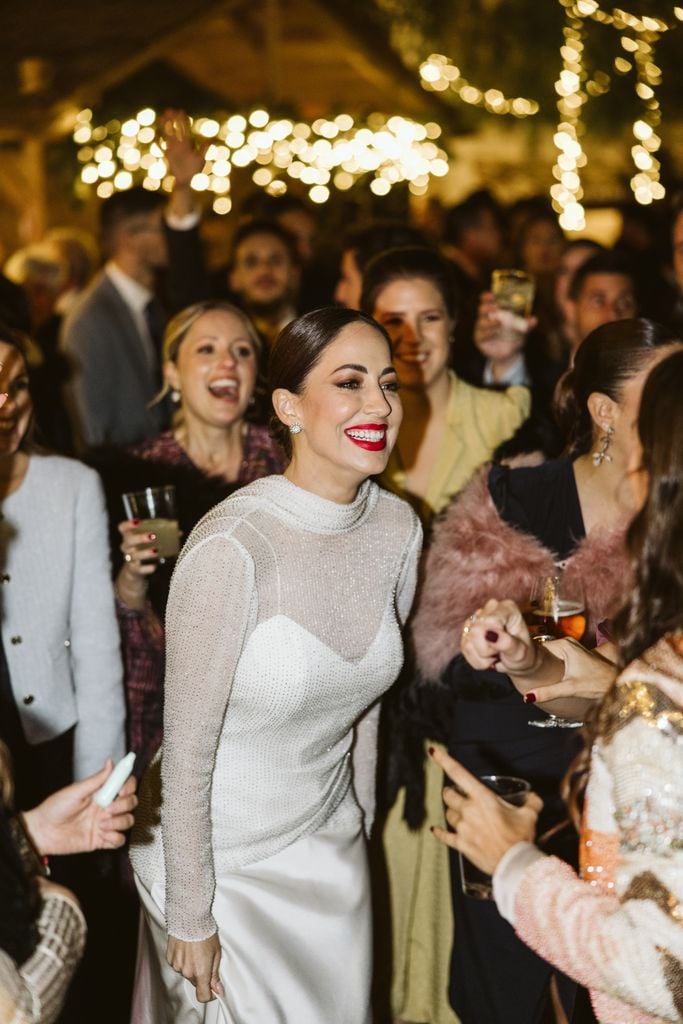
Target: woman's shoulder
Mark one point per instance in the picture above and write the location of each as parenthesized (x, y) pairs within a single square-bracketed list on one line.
[(398, 513), (263, 455), (160, 448), (487, 400), (532, 496), (654, 682), (62, 470)]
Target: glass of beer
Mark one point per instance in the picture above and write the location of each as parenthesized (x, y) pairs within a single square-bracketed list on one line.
[(557, 609), (513, 290), (474, 882), (155, 507)]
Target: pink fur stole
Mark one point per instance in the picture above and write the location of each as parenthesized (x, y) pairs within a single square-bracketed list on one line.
[(476, 555)]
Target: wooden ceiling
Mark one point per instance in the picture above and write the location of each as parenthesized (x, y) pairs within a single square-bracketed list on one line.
[(307, 55)]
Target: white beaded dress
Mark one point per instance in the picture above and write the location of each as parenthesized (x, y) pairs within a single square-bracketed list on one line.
[(283, 631)]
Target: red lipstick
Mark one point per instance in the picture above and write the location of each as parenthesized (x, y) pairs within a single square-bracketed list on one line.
[(372, 437)]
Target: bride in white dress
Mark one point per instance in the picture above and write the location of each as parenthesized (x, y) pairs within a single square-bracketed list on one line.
[(283, 631)]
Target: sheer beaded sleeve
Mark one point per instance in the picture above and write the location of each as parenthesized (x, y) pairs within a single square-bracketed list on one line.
[(407, 581), (211, 609), (365, 744)]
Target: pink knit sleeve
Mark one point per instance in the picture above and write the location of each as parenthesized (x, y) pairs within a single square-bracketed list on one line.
[(606, 944)]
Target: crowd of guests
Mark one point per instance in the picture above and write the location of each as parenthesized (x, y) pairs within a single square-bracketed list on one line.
[(525, 451)]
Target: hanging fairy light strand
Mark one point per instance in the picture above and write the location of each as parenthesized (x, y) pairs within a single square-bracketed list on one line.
[(640, 35), (567, 192), (329, 153), (439, 74)]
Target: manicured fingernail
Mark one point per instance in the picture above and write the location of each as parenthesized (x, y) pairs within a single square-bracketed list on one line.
[(135, 522), (431, 829), (496, 660), (151, 536), (155, 551), (530, 698), (431, 751), (491, 636)]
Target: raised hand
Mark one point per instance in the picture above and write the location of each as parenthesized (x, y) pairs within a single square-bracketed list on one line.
[(484, 826), (496, 637), (70, 822), (185, 155), (499, 334)]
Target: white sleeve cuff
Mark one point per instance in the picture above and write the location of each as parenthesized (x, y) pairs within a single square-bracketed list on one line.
[(184, 223), (508, 876)]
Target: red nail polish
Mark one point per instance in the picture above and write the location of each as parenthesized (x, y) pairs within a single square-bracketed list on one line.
[(151, 536), (431, 751), (155, 551), (530, 698), (135, 522), (491, 636)]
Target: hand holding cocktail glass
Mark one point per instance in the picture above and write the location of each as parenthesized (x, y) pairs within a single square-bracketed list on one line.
[(484, 825), (504, 319)]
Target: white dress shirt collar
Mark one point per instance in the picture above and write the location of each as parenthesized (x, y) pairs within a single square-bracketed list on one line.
[(134, 294)]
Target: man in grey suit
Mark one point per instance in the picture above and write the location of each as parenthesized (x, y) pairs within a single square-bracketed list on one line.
[(112, 336)]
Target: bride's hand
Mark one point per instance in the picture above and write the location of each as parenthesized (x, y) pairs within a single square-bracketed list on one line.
[(198, 962)]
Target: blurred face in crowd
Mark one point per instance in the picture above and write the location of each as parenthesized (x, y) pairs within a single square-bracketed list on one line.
[(678, 251), (482, 242), (15, 414), (570, 261), (542, 247), (302, 228), (414, 314), (350, 283), (603, 298), (214, 370), (264, 274), (143, 239)]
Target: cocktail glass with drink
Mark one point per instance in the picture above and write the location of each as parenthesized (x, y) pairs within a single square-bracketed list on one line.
[(476, 883), (155, 507), (557, 609), (513, 291)]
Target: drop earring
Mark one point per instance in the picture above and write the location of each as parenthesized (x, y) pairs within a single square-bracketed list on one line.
[(175, 396), (295, 428), (602, 455)]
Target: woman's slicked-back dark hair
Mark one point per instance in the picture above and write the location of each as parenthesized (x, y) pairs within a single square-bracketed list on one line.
[(604, 362), (407, 264), (298, 348), (654, 602)]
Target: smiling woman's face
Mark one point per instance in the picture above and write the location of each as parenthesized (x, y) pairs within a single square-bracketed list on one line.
[(15, 414), (215, 369), (414, 315), (349, 409)]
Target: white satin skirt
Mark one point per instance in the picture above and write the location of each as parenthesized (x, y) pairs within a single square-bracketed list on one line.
[(295, 931)]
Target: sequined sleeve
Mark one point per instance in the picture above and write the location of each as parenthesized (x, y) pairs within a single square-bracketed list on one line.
[(619, 932), (35, 991), (209, 610)]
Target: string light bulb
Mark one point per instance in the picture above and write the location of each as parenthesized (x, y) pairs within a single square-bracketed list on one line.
[(438, 73), (330, 153)]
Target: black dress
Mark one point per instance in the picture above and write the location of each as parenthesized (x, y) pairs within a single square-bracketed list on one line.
[(495, 977)]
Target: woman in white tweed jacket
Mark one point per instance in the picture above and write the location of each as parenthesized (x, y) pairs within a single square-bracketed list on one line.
[(61, 694)]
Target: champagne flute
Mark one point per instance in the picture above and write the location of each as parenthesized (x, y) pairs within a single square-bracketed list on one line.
[(557, 609)]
